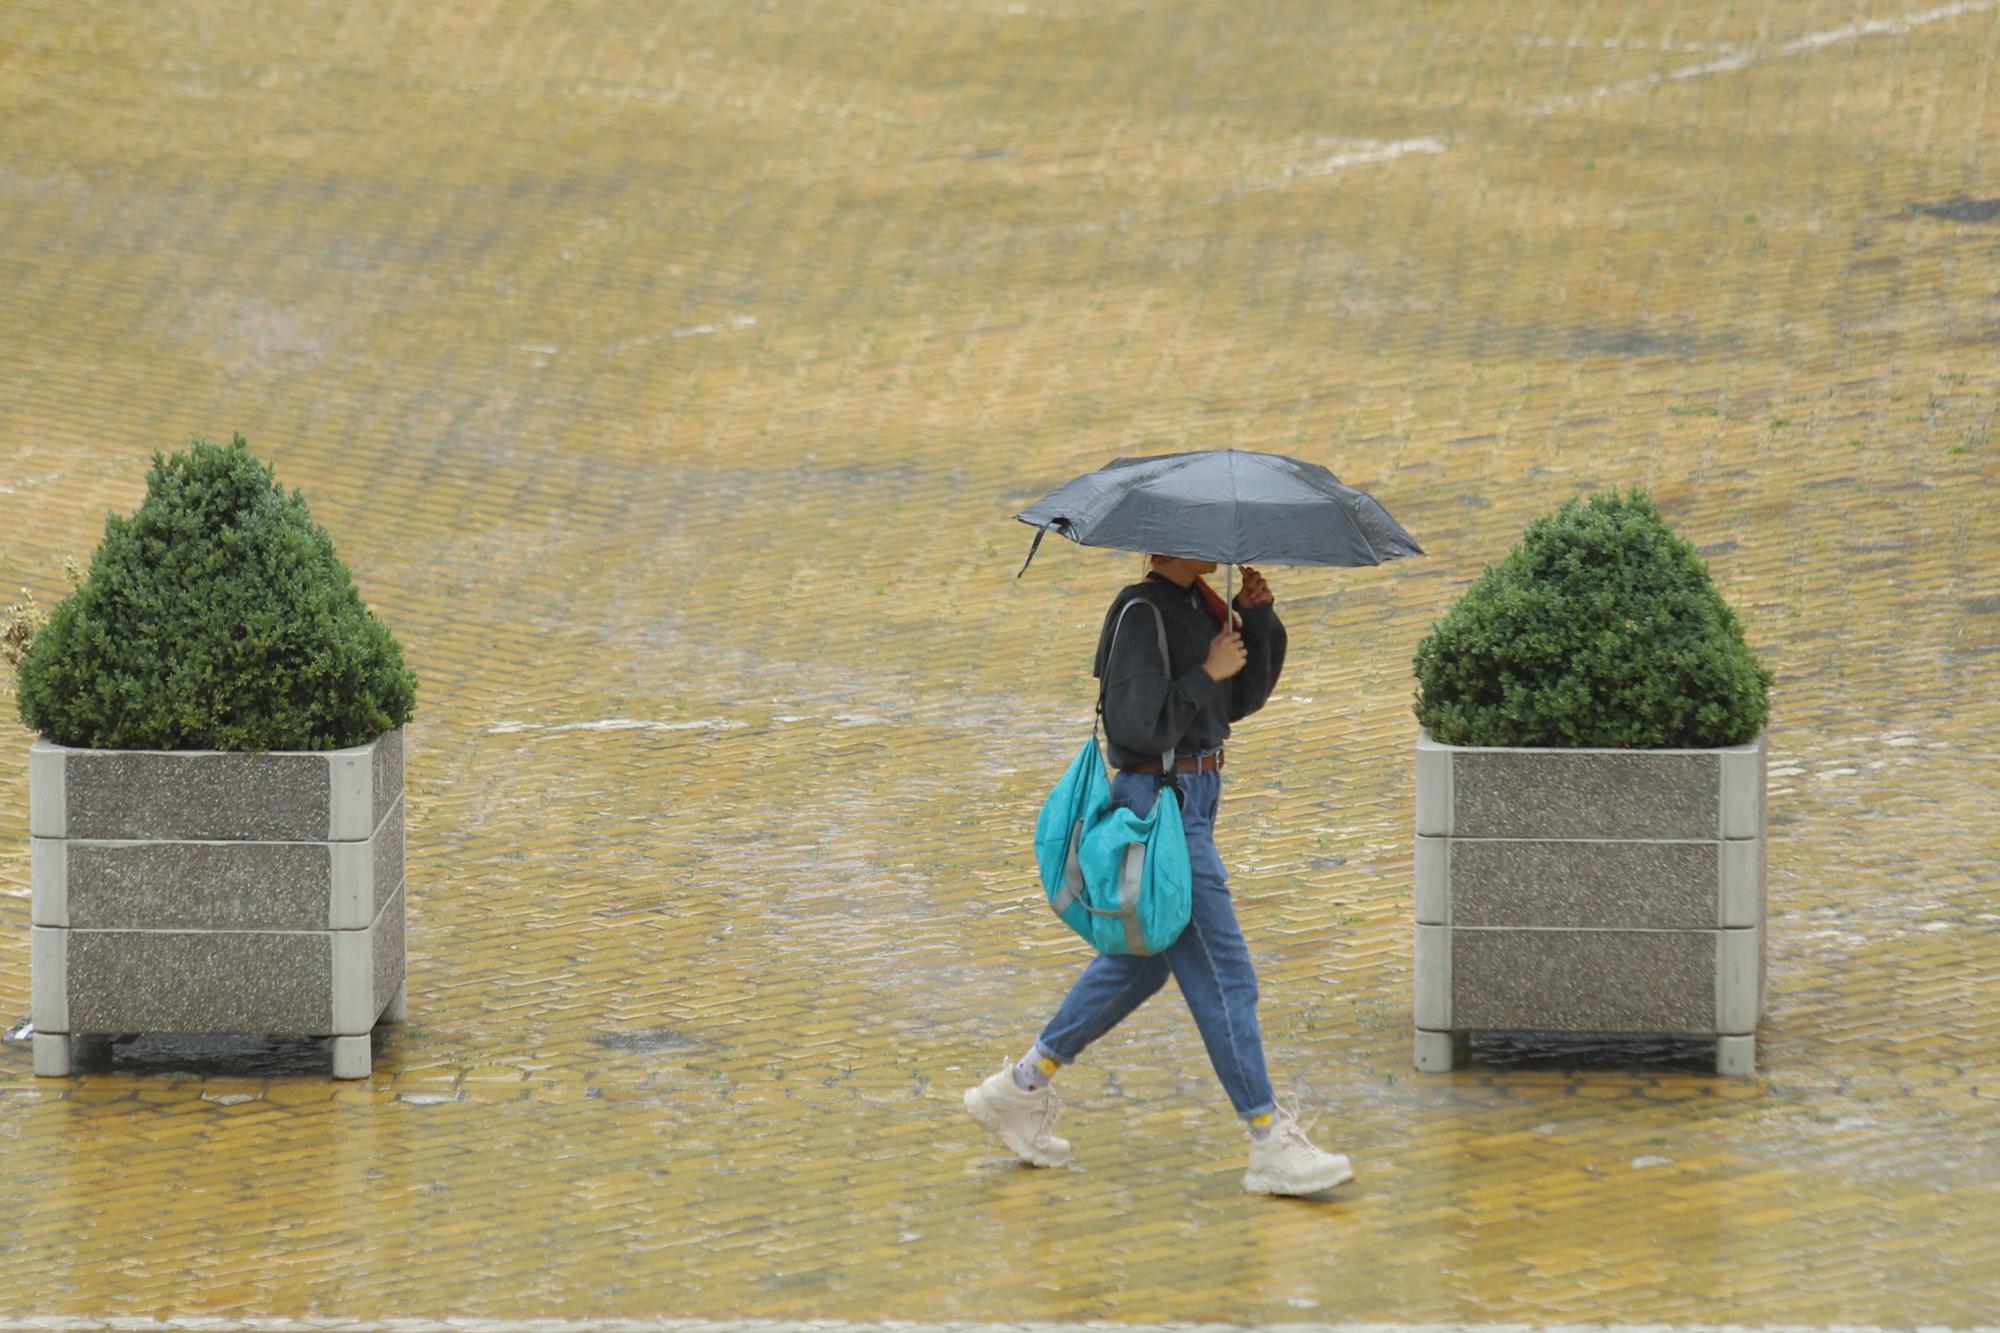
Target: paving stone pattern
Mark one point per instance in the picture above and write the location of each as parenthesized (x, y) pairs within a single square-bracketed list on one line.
[(667, 375)]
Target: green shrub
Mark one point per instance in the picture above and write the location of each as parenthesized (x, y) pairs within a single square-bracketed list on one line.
[(217, 617), (1600, 629)]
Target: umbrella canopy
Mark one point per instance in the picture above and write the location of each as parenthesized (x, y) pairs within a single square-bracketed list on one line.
[(1226, 505)]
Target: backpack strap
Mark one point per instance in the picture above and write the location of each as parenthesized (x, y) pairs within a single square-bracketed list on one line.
[(1166, 667)]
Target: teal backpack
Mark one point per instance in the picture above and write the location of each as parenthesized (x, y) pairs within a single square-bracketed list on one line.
[(1121, 881)]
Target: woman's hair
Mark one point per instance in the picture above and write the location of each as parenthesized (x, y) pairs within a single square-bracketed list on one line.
[(1146, 564)]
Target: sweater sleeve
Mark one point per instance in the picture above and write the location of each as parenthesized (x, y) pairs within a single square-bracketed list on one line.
[(1264, 645), (1146, 710)]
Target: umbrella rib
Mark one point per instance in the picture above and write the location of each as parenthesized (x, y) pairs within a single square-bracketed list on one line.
[(1233, 534), (1370, 545)]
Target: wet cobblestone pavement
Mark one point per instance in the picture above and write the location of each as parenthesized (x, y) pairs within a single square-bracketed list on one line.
[(667, 377)]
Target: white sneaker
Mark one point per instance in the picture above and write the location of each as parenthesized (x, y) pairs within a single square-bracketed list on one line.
[(1020, 1119), (1284, 1162)]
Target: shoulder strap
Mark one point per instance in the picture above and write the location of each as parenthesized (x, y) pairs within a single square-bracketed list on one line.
[(1166, 665)]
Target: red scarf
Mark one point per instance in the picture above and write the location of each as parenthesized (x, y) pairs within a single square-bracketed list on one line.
[(1212, 600)]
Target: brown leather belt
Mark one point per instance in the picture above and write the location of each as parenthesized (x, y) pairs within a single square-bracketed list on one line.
[(1187, 764)]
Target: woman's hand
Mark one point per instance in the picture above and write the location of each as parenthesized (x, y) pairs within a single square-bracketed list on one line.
[(1226, 656), (1255, 592)]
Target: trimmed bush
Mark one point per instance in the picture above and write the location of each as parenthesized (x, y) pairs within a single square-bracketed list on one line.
[(1601, 628), (217, 617)]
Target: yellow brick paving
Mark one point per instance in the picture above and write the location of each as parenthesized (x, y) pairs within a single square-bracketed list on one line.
[(667, 374)]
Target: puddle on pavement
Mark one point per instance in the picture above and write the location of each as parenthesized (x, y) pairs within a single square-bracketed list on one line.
[(646, 1041), (1961, 209)]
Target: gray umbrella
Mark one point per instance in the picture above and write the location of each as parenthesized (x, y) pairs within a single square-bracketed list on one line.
[(1226, 505)]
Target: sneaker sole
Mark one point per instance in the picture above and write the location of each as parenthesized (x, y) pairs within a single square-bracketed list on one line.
[(985, 1116), (1265, 1185)]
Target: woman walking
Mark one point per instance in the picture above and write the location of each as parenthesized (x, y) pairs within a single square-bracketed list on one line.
[(1213, 676)]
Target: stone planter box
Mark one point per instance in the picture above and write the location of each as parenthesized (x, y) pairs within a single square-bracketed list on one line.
[(208, 892), (1601, 891)]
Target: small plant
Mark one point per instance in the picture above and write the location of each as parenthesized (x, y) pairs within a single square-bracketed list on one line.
[(1601, 628), (21, 620), (18, 625), (217, 617)]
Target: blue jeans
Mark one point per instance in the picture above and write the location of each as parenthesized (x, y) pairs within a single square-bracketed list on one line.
[(1210, 961)]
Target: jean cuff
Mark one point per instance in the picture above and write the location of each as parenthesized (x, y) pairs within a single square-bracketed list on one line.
[(1048, 1054), (1270, 1108)]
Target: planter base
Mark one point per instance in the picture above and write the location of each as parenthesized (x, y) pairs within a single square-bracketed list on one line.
[(52, 1054), (353, 1057), (1441, 1052), (56, 1053)]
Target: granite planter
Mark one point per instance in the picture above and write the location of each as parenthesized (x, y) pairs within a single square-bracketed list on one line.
[(209, 892), (1602, 891)]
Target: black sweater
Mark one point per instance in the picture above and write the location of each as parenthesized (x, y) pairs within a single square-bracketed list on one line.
[(1149, 708)]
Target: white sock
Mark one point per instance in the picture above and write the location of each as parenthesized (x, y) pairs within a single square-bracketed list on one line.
[(1033, 1071)]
